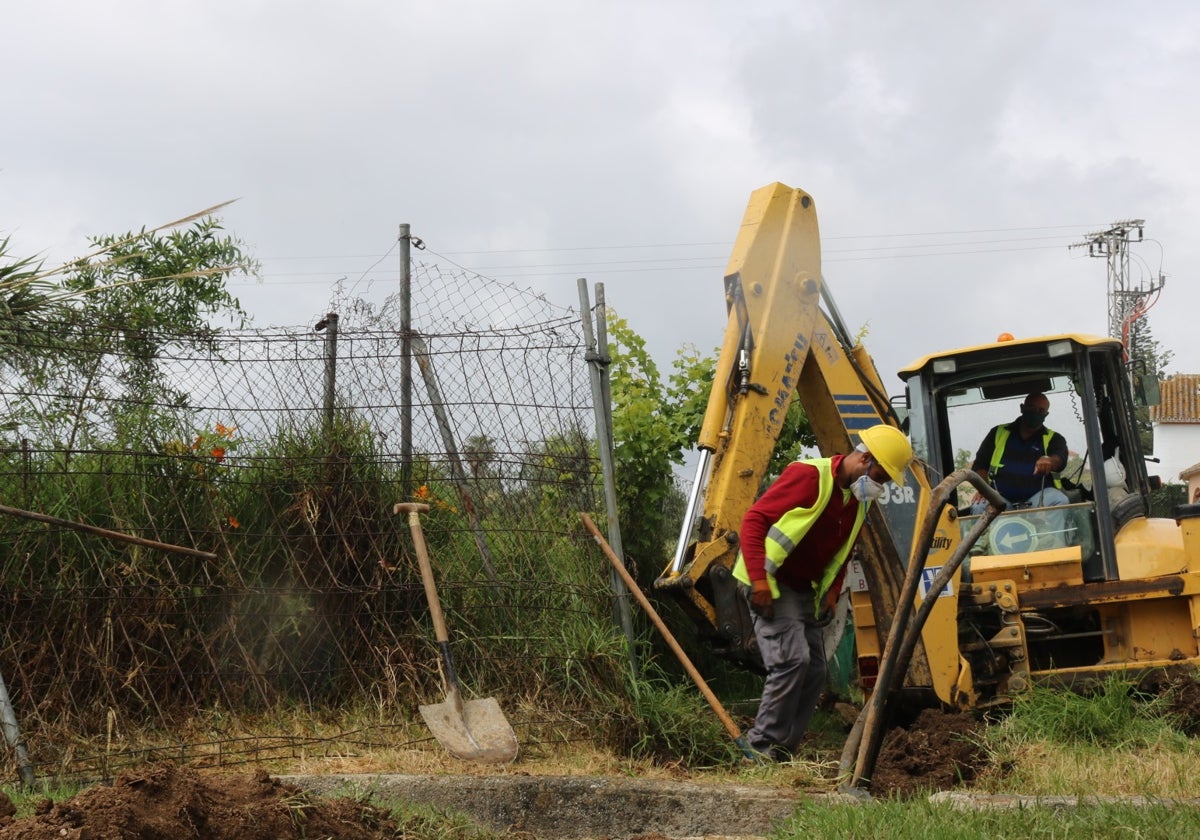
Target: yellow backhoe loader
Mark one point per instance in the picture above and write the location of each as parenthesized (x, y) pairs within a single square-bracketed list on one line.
[(992, 602)]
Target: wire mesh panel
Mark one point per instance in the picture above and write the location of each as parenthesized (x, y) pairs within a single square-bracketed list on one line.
[(252, 474)]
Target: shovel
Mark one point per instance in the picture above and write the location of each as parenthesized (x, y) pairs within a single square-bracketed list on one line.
[(475, 730)]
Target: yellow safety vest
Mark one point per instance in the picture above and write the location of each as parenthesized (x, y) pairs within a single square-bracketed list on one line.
[(1001, 441), (786, 534)]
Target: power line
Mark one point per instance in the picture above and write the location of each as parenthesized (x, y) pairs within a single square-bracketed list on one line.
[(673, 265), (681, 263), (723, 244)]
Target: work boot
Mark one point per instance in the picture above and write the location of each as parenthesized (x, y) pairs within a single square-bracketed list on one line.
[(751, 753), (781, 754)]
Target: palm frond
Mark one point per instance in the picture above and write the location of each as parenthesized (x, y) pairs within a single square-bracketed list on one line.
[(68, 266)]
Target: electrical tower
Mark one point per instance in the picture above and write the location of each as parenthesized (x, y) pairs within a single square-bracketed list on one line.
[(1128, 300)]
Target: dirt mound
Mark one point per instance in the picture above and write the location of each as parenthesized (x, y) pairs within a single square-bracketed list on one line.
[(1181, 688), (172, 803), (1185, 707), (937, 751)]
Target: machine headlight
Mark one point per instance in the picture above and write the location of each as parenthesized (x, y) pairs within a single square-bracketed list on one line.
[(1055, 349)]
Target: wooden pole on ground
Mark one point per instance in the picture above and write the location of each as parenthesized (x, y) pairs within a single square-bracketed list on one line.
[(104, 532), (696, 676)]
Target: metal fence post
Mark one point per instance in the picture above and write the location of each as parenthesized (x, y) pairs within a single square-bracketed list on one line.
[(330, 325), (598, 361), (12, 734), (459, 476), (406, 487)]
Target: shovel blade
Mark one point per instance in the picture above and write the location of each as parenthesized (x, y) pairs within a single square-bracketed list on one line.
[(479, 733)]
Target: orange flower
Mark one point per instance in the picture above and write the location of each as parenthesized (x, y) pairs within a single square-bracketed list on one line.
[(218, 452), (422, 492), (226, 431), (233, 523)]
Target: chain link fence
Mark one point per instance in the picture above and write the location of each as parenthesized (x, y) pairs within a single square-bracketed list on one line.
[(192, 544)]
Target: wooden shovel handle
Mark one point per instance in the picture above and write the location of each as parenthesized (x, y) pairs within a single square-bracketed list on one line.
[(414, 511)]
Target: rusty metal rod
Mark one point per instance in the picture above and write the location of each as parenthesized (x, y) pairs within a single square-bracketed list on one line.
[(104, 532)]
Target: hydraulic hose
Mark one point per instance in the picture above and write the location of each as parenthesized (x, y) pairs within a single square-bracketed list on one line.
[(864, 739)]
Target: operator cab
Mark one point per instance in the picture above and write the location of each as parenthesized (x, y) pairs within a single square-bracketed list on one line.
[(955, 398)]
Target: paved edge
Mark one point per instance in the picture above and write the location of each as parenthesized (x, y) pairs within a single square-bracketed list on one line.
[(581, 806), (565, 807), (1008, 801)]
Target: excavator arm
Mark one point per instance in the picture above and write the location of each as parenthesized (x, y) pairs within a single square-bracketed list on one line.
[(772, 293)]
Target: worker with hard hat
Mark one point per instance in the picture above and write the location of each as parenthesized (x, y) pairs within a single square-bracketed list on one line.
[(1020, 459), (795, 540)]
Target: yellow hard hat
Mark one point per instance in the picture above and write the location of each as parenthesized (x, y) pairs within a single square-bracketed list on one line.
[(890, 448)]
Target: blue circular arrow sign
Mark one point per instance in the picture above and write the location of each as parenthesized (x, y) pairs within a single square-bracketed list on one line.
[(1012, 536)]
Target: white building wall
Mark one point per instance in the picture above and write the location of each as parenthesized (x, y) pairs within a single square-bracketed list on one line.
[(1177, 447)]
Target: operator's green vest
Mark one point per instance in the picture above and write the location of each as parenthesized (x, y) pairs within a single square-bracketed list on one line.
[(786, 533), (1001, 441)]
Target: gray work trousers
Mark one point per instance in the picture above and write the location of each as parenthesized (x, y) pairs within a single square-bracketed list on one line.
[(793, 652)]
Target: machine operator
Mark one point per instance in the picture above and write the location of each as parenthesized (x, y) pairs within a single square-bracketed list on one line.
[(1018, 459)]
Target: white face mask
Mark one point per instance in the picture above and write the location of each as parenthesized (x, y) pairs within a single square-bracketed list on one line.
[(866, 489)]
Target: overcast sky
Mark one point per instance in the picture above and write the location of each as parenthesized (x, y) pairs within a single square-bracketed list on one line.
[(954, 149)]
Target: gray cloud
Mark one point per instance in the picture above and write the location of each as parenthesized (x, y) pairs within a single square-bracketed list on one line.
[(989, 136)]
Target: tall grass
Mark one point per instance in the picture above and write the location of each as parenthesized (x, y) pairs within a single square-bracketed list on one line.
[(314, 596), (1112, 741), (1113, 716)]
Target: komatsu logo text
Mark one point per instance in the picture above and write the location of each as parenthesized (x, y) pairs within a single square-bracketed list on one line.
[(787, 382)]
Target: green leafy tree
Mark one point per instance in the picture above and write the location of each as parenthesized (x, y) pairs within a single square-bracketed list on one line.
[(153, 289), (24, 291), (479, 452), (27, 300), (96, 329), (1146, 356), (654, 425), (688, 396), (648, 441)]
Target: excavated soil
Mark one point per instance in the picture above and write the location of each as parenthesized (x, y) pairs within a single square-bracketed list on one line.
[(1181, 689), (935, 751), (940, 751), (172, 803)]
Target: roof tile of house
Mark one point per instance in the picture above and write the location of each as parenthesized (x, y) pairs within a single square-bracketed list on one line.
[(1180, 401)]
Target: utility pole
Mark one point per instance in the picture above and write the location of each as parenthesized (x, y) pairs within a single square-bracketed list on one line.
[(1127, 300)]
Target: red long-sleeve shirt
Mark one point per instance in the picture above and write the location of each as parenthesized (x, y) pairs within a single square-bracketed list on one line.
[(798, 486)]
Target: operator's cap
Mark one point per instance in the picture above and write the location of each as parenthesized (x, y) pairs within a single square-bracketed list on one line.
[(890, 448)]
